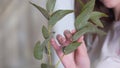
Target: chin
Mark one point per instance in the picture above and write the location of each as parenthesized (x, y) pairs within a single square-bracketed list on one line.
[(109, 5)]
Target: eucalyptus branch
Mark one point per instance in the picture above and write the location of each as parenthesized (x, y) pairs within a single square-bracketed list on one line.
[(83, 24)]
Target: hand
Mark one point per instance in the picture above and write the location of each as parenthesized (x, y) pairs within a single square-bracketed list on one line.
[(77, 59)]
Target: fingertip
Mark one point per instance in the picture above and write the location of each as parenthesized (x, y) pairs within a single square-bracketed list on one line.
[(73, 31), (66, 31), (58, 36), (68, 35), (54, 44)]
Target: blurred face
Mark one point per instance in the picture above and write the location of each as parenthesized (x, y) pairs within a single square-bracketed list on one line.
[(111, 3)]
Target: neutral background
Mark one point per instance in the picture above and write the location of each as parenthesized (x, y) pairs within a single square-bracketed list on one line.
[(20, 27)]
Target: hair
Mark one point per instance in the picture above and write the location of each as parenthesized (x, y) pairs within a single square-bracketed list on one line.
[(98, 7)]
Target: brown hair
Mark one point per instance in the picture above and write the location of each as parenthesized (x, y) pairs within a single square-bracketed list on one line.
[(98, 7)]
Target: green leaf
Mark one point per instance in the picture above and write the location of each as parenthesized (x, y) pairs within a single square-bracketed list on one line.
[(85, 14), (50, 5), (71, 47), (56, 16), (95, 17), (45, 32), (39, 48), (42, 10), (89, 28), (37, 51), (43, 65)]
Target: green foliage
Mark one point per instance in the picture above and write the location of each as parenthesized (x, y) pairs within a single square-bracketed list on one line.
[(85, 14), (37, 51), (47, 66), (87, 22), (95, 17), (82, 23), (50, 5), (39, 48), (56, 16), (45, 32), (42, 10), (71, 47), (89, 28), (53, 18)]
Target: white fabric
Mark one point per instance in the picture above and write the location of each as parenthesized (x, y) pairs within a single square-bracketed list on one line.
[(109, 55)]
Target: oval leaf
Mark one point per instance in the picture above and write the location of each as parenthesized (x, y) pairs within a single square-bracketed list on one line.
[(85, 14), (39, 48), (98, 14), (37, 51), (57, 16), (94, 29), (95, 18), (43, 65), (50, 5), (90, 28), (97, 22), (45, 32), (80, 33), (71, 47), (42, 10)]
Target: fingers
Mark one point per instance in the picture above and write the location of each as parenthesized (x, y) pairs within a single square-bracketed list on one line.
[(68, 38), (61, 39), (64, 41), (73, 32), (54, 44), (56, 47), (68, 35)]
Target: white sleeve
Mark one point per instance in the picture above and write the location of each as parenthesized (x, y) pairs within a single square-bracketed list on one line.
[(110, 55)]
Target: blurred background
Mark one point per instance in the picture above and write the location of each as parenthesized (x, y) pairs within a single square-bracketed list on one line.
[(20, 29)]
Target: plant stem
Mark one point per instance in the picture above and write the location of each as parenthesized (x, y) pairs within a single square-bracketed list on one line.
[(49, 55), (49, 51), (58, 62)]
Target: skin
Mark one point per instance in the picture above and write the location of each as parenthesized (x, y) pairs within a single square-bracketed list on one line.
[(115, 5), (79, 58)]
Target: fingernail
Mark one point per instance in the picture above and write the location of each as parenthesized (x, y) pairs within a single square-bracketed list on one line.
[(73, 31)]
